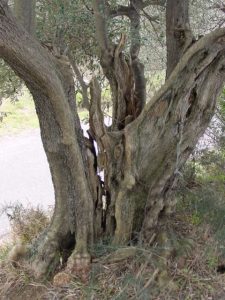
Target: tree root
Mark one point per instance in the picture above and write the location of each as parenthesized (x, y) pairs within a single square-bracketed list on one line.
[(120, 255), (79, 265), (46, 259)]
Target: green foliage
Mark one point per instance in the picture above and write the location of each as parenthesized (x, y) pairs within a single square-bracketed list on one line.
[(212, 257), (10, 84), (79, 99), (196, 218), (202, 193), (68, 23), (20, 115)]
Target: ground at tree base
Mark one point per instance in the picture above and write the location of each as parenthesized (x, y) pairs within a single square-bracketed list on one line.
[(184, 268)]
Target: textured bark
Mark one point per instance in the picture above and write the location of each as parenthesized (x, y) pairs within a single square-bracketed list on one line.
[(24, 11), (160, 140), (147, 154), (51, 84), (178, 34), (141, 154), (125, 74)]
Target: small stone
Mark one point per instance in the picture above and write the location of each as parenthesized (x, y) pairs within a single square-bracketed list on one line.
[(61, 279)]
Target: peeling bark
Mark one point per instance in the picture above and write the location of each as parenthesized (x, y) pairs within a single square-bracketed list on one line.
[(161, 139)]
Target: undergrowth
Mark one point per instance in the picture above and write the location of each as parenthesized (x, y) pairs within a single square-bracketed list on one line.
[(182, 264), (26, 222), (187, 271)]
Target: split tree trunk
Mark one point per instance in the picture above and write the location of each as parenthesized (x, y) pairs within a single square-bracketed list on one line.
[(146, 155), (143, 160), (140, 158)]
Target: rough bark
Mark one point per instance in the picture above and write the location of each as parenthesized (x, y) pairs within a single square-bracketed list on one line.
[(160, 140), (125, 74), (141, 154), (149, 152), (24, 11), (178, 34), (137, 66), (51, 84)]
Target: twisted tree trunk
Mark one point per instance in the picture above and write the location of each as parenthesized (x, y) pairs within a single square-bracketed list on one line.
[(156, 145), (149, 149), (141, 154)]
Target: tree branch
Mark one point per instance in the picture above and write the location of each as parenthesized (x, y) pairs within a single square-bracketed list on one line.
[(153, 2), (82, 83), (178, 32), (100, 16), (121, 10), (32, 63), (179, 112), (97, 126), (209, 39), (142, 4), (137, 66), (219, 6)]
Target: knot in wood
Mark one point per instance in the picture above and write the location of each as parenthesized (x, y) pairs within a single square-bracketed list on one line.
[(118, 151)]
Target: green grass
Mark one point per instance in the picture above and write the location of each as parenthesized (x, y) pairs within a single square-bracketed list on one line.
[(21, 115)]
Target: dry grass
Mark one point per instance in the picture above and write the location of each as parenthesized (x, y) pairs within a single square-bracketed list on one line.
[(26, 222), (188, 272)]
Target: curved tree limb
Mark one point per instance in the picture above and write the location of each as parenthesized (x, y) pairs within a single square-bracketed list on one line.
[(125, 75), (204, 42), (122, 10), (50, 81)]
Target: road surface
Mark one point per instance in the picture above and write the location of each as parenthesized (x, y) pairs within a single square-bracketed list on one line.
[(24, 174)]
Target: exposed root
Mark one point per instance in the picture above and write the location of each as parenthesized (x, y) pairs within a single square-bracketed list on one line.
[(79, 265), (44, 257), (120, 255)]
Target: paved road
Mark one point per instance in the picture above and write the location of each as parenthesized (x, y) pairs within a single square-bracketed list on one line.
[(24, 173)]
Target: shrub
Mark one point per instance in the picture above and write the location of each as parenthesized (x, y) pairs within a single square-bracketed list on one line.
[(26, 223)]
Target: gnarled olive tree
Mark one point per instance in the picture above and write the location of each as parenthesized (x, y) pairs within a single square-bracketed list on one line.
[(143, 150)]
